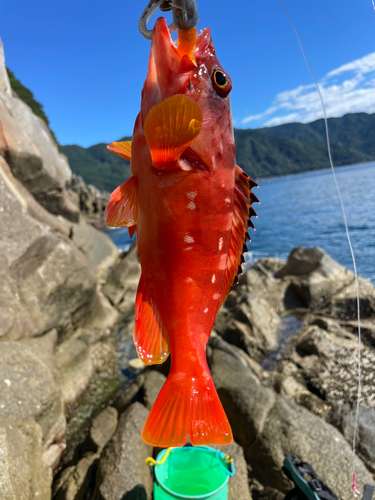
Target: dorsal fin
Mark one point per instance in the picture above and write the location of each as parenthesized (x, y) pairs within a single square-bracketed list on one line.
[(243, 198), (123, 149)]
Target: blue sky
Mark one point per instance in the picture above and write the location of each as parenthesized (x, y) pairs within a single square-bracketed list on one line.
[(86, 62)]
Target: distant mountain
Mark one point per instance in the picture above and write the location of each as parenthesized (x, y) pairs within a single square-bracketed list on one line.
[(354, 131), (267, 152), (97, 165)]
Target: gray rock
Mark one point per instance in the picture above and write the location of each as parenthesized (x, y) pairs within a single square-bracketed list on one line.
[(75, 368), (238, 487), (77, 482), (269, 427), (290, 428), (153, 383), (245, 401), (4, 79), (54, 285), (90, 200), (317, 277), (122, 467), (32, 154), (122, 283), (103, 427), (101, 253), (365, 439), (22, 473), (327, 362), (28, 389)]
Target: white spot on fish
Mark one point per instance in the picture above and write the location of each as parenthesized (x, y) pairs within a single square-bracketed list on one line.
[(189, 280), (213, 278), (227, 201), (206, 310), (216, 296), (192, 206), (222, 261), (188, 239), (187, 249), (192, 195), (221, 243), (223, 186)]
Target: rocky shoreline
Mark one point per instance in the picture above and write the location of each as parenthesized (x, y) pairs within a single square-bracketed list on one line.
[(73, 394)]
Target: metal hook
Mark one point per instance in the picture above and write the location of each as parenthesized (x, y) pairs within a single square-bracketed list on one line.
[(152, 7), (185, 15)]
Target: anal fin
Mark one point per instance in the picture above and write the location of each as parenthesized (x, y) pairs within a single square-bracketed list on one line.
[(150, 335), (122, 209)]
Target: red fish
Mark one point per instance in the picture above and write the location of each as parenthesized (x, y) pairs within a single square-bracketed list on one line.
[(190, 206)]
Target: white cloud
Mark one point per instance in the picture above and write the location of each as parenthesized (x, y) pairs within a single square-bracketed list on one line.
[(347, 89)]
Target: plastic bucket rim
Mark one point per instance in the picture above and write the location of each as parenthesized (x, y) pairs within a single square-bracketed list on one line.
[(207, 449)]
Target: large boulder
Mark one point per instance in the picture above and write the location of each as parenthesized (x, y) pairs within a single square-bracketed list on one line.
[(326, 362), (22, 473), (32, 152), (29, 391), (122, 468), (269, 427)]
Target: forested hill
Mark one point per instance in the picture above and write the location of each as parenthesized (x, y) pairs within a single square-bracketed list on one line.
[(268, 152), (355, 131)]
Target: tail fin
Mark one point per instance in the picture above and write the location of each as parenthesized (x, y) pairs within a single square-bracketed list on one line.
[(187, 407)]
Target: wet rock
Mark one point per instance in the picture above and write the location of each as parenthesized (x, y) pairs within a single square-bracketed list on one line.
[(130, 393), (22, 473), (153, 383), (103, 428), (29, 391), (122, 467)]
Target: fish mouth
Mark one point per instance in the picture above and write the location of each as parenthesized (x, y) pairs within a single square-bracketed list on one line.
[(163, 45)]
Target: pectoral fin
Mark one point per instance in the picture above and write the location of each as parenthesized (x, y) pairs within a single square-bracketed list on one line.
[(122, 209), (170, 128), (123, 149)]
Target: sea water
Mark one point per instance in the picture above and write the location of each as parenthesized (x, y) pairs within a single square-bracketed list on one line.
[(304, 210)]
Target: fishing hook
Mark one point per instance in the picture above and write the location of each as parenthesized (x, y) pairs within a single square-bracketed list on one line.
[(185, 15)]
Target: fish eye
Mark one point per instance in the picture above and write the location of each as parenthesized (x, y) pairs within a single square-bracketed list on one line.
[(221, 83)]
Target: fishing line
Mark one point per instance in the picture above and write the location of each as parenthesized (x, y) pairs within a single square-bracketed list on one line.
[(355, 491)]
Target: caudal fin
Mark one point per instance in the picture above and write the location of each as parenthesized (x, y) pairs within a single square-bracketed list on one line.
[(187, 407)]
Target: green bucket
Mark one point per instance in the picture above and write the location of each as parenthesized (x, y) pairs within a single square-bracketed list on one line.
[(195, 472)]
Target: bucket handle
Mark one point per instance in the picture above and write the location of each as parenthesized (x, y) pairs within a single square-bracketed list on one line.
[(230, 470)]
